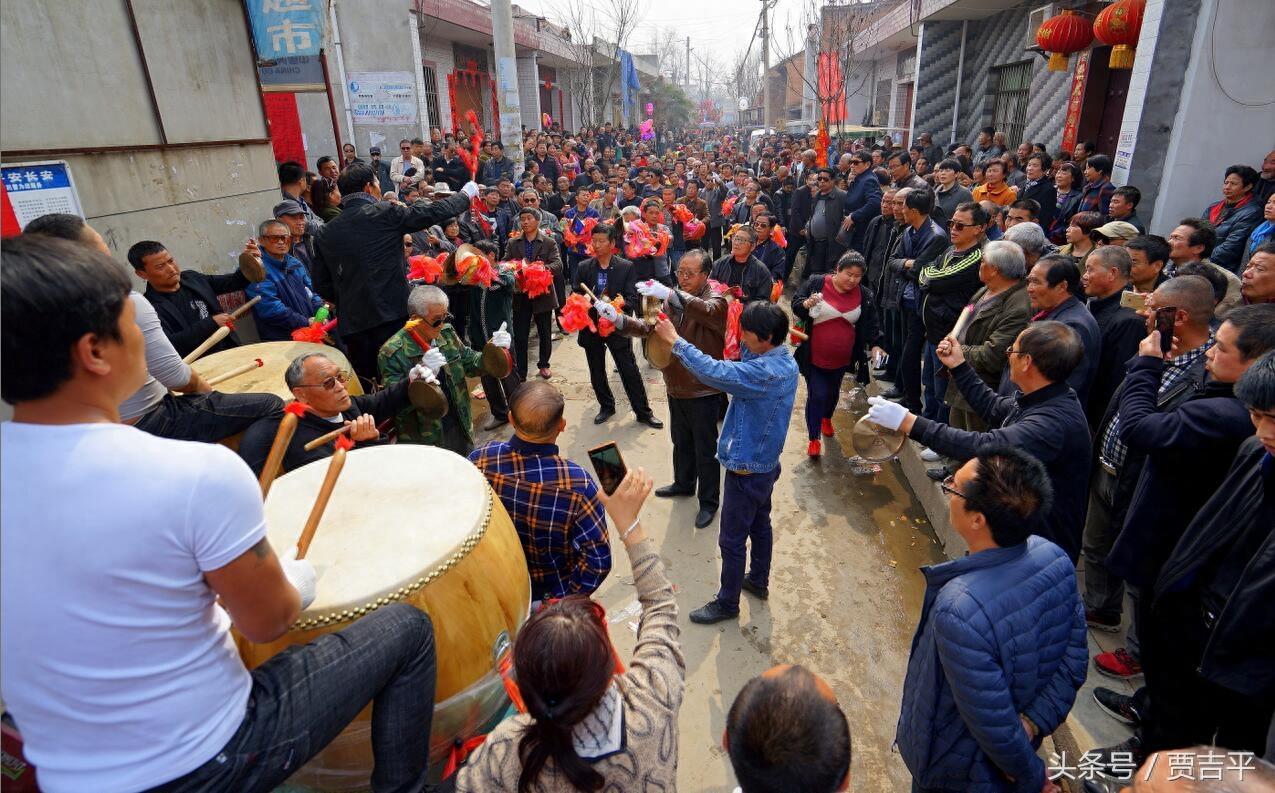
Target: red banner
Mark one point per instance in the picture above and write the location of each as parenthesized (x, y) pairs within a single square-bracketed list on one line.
[(1075, 102), (832, 89), (285, 127)]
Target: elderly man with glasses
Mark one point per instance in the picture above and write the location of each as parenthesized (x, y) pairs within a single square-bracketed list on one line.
[(429, 339), (288, 299), (318, 384)]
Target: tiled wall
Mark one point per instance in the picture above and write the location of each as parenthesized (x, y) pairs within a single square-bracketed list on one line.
[(439, 52)]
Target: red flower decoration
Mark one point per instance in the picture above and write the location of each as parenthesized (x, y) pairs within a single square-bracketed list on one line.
[(425, 268), (575, 314)]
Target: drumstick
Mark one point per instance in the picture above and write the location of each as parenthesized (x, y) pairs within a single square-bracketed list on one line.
[(248, 367), (239, 312), (799, 334), (588, 292), (321, 502), (962, 322), (217, 336), (327, 437), (287, 426)]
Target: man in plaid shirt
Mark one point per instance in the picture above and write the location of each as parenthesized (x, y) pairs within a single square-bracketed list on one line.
[(553, 501)]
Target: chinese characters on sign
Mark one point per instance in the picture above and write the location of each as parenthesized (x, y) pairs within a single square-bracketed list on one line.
[(286, 28), (38, 188), (383, 98), (1075, 102), (1209, 766)]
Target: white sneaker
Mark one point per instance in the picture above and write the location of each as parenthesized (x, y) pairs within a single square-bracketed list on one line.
[(930, 456)]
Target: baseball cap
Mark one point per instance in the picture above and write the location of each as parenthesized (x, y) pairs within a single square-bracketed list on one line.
[(288, 207), (1117, 228), (374, 150)]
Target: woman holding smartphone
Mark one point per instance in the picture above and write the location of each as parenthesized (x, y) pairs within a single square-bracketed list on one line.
[(841, 315)]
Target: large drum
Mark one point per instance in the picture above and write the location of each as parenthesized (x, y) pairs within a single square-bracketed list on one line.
[(267, 378), (416, 524)]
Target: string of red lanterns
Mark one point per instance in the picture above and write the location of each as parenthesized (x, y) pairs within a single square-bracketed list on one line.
[(1117, 26)]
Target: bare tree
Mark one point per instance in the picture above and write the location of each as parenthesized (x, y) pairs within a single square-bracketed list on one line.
[(831, 30), (667, 46), (746, 73), (598, 31)]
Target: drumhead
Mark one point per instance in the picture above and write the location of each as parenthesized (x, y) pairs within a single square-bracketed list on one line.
[(399, 516), (267, 378)]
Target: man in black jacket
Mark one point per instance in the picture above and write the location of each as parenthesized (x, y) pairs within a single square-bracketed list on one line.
[(922, 243), (185, 300), (799, 205), (318, 383), (1104, 280), (827, 210), (1044, 419), (498, 166), (609, 276), (1209, 632), (863, 201), (360, 266), (740, 268), (1052, 285), (947, 284)]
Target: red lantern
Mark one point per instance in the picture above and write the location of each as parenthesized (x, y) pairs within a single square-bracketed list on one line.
[(1061, 36), (1119, 26)]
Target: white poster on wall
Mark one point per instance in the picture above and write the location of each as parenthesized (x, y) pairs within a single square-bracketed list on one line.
[(1124, 153), (383, 98)]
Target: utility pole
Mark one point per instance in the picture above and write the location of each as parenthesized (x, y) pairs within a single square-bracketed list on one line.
[(765, 66), (502, 34)]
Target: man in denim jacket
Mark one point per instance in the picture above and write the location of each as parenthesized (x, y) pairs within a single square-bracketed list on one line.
[(763, 387)]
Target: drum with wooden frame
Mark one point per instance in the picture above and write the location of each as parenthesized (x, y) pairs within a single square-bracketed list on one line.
[(267, 378), (416, 524)]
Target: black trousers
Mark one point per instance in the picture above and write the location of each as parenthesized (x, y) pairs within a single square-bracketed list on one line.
[(795, 244), (522, 336), (693, 424), (892, 323), (1184, 709), (910, 359), (621, 347), (713, 237), (817, 258), (362, 347)]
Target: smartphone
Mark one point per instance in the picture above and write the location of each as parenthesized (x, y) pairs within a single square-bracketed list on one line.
[(609, 466), (1134, 300), (1164, 323)]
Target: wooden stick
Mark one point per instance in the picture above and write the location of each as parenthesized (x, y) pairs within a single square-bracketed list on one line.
[(287, 426), (239, 312), (217, 336), (327, 437), (238, 370), (799, 334), (589, 292), (320, 503)]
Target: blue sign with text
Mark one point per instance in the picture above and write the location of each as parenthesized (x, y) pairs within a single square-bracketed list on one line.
[(286, 28)]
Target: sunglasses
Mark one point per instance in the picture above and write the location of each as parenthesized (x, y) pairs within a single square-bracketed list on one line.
[(276, 237), (948, 487), (823, 179), (956, 225), (329, 383), (438, 323)]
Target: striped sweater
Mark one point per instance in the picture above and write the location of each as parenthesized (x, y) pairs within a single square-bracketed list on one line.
[(948, 283)]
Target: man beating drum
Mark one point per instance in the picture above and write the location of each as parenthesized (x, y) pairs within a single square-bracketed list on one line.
[(429, 339), (118, 664)]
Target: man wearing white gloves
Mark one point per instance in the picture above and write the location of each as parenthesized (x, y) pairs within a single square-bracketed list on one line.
[(430, 346), (358, 263), (609, 276), (1044, 418), (118, 664)]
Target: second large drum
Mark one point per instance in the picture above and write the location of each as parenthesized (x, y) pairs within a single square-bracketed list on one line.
[(416, 524)]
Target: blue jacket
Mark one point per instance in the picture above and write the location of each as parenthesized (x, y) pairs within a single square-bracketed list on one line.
[(1232, 234), (763, 389), (1002, 633), (863, 203), (287, 298)]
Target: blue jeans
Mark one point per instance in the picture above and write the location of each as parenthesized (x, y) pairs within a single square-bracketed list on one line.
[(823, 389), (303, 697), (934, 385), (206, 417), (745, 517)]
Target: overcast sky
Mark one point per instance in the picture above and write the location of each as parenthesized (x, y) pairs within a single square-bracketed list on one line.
[(720, 28)]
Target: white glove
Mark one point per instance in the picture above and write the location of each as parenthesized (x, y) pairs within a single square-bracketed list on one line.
[(434, 360), (422, 372), (653, 289), (470, 189), (300, 573), (886, 413), (606, 311), (501, 337)]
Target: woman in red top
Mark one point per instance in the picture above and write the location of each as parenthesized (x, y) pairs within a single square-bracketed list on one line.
[(841, 318)]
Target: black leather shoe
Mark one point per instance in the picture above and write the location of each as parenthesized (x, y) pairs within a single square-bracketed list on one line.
[(494, 422), (603, 416), (937, 474), (703, 518), (760, 592), (651, 421), (712, 611), (892, 394), (672, 491)]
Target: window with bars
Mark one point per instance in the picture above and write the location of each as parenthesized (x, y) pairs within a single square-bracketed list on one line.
[(1009, 110), (431, 95)]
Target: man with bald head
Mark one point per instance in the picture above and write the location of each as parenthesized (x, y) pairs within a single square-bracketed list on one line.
[(553, 501)]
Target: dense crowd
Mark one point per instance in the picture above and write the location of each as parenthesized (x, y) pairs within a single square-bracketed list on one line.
[(1090, 394)]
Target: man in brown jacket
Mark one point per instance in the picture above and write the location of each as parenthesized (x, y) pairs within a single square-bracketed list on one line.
[(533, 244), (700, 317)]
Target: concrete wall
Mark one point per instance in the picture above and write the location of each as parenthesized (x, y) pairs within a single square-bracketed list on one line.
[(376, 36), (940, 54), (529, 93), (69, 85), (440, 53), (1225, 114)]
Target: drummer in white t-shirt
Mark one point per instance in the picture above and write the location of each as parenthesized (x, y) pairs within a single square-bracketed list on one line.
[(117, 663)]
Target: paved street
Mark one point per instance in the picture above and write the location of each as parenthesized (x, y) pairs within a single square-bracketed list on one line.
[(844, 593)]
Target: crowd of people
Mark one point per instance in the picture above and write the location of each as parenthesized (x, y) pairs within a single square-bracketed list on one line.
[(1091, 395)]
